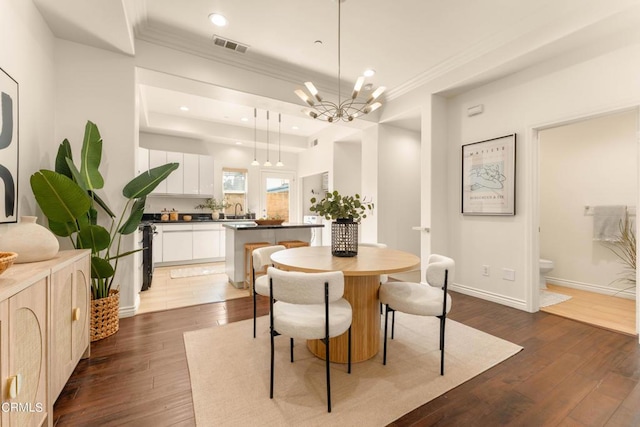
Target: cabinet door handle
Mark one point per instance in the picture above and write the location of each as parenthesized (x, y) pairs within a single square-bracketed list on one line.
[(15, 385), (76, 313)]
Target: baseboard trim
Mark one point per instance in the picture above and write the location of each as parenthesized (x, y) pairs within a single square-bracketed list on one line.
[(598, 289), (490, 296), (131, 310)]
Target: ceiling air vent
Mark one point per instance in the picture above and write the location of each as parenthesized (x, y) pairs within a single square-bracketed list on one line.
[(230, 44)]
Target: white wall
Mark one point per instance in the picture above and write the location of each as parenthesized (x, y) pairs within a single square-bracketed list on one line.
[(347, 166), (398, 202), (542, 95), (27, 55), (99, 85), (588, 163)]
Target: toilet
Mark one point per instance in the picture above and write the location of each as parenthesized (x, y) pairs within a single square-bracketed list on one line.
[(545, 267)]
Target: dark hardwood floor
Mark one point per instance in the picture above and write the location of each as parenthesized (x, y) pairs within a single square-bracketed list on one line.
[(569, 373)]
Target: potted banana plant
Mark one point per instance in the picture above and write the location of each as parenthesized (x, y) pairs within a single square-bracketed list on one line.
[(68, 198)]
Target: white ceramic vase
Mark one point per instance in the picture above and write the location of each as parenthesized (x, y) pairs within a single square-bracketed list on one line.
[(32, 242)]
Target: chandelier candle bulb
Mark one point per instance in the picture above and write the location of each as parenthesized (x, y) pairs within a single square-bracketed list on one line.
[(304, 96), (357, 87)]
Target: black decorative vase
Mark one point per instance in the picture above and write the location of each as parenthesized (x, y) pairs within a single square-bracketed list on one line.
[(344, 237)]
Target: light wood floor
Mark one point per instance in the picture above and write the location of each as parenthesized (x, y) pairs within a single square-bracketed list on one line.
[(613, 313), (166, 293)]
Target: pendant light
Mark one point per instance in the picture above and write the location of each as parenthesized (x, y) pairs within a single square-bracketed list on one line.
[(279, 164), (267, 163), (255, 138)]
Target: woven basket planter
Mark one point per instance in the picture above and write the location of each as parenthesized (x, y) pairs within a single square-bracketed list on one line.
[(104, 316)]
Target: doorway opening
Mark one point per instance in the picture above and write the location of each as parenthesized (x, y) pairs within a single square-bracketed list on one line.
[(588, 165)]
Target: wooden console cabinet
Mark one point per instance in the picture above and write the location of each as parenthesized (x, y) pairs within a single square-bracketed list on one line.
[(44, 332)]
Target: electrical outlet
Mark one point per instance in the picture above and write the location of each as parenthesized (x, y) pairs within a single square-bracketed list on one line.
[(485, 270), (508, 274)]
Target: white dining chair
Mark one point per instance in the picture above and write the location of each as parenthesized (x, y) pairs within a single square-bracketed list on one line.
[(419, 299), (261, 259), (308, 306)]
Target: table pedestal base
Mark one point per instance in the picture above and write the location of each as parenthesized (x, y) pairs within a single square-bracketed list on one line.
[(362, 294)]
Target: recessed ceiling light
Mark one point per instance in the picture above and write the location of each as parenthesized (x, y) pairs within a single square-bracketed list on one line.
[(295, 127), (244, 119), (184, 108), (238, 143), (218, 19), (370, 72)]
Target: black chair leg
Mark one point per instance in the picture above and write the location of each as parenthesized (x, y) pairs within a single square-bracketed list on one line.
[(326, 347), (393, 323), (386, 320), (254, 310), (442, 323), (291, 342), (272, 366)]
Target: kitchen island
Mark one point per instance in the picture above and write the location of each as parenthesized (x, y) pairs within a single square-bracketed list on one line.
[(236, 235)]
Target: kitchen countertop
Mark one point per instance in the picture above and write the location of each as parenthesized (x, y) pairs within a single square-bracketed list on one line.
[(200, 221), (253, 226)]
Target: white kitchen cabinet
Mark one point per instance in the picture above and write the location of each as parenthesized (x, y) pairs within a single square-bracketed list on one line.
[(175, 180), (206, 240), (158, 158), (177, 242), (194, 176), (191, 168), (143, 160), (158, 244), (205, 180)]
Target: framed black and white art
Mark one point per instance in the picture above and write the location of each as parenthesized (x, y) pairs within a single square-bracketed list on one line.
[(489, 177), (8, 148)]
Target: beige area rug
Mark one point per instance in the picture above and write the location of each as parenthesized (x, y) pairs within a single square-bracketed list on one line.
[(179, 273), (548, 298), (229, 373)]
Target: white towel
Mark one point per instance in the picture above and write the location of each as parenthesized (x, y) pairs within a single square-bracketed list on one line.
[(606, 222)]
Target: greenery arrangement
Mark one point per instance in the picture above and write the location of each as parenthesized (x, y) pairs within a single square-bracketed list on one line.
[(625, 249), (214, 205), (67, 197), (335, 206)]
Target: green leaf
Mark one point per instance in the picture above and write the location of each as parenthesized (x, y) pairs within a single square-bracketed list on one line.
[(94, 237), (146, 182), (75, 174), (62, 229), (91, 156), (64, 153), (101, 203), (135, 217), (60, 199), (100, 268)]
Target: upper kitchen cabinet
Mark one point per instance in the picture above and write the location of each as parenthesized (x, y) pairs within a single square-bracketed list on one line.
[(205, 178), (175, 180), (191, 174), (159, 158), (194, 177)]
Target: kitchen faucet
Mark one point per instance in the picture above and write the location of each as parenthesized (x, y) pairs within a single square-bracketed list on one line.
[(235, 209)]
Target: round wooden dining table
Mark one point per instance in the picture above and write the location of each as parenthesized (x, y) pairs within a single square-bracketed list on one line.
[(361, 285)]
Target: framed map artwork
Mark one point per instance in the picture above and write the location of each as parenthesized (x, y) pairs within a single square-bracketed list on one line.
[(489, 177), (8, 148)]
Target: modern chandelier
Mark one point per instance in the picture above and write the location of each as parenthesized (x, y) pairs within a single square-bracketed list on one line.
[(346, 110)]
